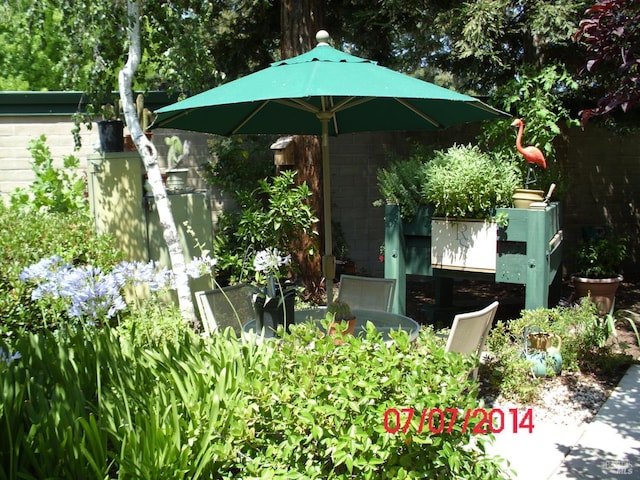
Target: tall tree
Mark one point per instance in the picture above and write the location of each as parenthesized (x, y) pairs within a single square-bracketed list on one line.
[(32, 42), (300, 21), (149, 156)]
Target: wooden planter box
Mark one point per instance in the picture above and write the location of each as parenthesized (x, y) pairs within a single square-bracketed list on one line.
[(528, 251), (464, 245)]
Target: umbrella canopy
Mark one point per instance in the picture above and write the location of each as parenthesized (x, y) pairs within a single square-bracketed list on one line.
[(323, 92)]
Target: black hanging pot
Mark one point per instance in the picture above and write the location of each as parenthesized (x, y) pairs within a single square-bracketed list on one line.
[(275, 311), (111, 135)]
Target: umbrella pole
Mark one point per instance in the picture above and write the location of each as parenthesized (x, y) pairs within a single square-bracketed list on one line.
[(328, 260)]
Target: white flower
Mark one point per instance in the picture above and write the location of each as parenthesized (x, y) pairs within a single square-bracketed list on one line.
[(200, 266), (270, 260)]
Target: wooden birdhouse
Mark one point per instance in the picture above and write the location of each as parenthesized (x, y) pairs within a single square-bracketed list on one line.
[(283, 151)]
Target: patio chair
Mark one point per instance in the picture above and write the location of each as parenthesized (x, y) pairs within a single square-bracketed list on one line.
[(225, 307), (367, 293), (469, 332)]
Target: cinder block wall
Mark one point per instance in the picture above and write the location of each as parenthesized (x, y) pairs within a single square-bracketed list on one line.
[(601, 187), (15, 160), (15, 135), (603, 170)]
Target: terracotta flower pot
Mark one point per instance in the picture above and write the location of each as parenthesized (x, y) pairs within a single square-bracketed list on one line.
[(601, 290), (334, 330)]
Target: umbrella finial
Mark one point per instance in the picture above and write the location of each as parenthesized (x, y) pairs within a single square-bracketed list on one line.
[(323, 37)]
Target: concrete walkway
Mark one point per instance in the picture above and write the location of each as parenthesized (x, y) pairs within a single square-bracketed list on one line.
[(608, 447)]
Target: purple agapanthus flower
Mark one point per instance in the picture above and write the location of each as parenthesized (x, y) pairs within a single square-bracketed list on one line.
[(8, 358), (43, 270), (46, 276), (91, 293)]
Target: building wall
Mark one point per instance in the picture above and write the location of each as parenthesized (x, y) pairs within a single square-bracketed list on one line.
[(601, 187), (15, 134)]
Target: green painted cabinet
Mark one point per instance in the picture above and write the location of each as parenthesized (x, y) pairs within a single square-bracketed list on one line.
[(528, 252), (120, 207)]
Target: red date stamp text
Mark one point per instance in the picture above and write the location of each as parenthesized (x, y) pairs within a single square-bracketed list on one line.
[(476, 420)]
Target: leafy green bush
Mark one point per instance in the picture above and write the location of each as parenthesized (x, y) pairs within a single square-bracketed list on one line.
[(152, 323), (464, 182), (239, 162), (53, 189), (601, 257), (327, 419), (583, 335), (29, 236), (400, 183), (272, 216), (460, 182), (94, 405)]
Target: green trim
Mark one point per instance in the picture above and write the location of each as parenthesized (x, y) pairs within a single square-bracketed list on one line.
[(40, 104)]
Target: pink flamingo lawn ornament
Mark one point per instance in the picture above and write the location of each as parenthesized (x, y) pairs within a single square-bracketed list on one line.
[(531, 154)]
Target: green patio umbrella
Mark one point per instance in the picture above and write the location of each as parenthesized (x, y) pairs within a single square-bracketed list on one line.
[(323, 92)]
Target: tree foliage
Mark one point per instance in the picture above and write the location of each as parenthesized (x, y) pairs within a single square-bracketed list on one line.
[(32, 41), (611, 31)]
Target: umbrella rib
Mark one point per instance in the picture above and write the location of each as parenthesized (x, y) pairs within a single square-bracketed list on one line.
[(248, 119), (297, 103), (419, 113), (174, 117)]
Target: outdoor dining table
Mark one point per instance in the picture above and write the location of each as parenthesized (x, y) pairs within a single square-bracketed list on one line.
[(383, 321)]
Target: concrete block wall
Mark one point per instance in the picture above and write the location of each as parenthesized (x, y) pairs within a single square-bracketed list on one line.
[(16, 162), (603, 172), (15, 134), (602, 188)]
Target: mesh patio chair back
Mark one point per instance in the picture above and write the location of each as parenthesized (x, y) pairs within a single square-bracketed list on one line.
[(225, 307), (469, 331), (367, 293)]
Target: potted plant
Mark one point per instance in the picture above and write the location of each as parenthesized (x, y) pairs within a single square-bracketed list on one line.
[(341, 320), (273, 297), (459, 182), (465, 186), (110, 129), (176, 177), (465, 182), (145, 117), (598, 262)]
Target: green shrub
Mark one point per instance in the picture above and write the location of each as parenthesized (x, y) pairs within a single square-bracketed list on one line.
[(581, 331), (94, 405), (464, 182), (239, 162), (327, 418), (29, 236), (461, 182), (53, 189), (400, 183), (152, 323), (273, 215)]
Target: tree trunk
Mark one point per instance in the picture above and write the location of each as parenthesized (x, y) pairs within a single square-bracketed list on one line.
[(149, 156), (300, 20)]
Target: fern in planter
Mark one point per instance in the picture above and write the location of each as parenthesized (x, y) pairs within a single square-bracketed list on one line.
[(401, 184), (464, 182)]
